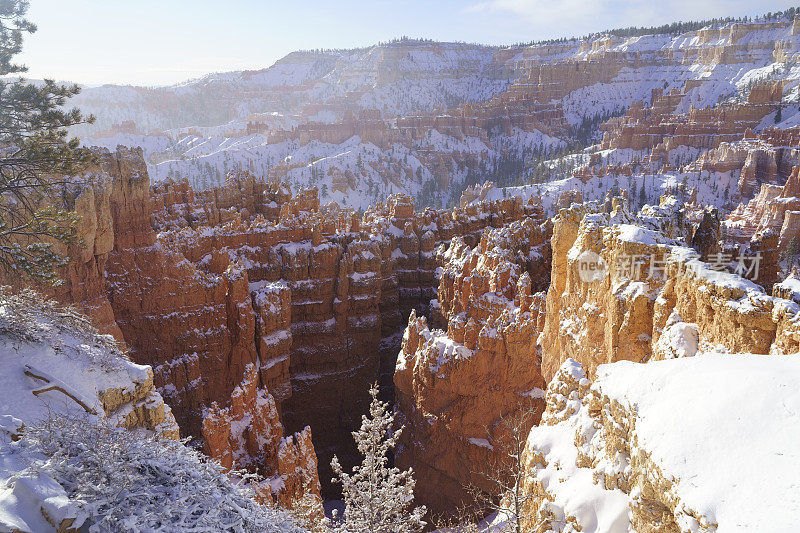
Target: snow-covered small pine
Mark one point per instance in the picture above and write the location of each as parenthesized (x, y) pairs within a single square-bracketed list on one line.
[(377, 499)]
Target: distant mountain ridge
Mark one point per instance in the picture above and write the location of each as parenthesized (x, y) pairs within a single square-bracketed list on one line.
[(397, 78)]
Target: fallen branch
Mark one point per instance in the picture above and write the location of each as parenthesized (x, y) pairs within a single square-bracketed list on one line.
[(30, 373), (88, 409), (37, 392)]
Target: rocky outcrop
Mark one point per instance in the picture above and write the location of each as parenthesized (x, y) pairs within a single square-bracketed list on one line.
[(603, 317), (188, 324), (242, 196), (56, 366), (57, 363), (249, 435), (775, 208), (645, 278), (455, 385), (89, 195), (706, 236), (789, 288), (630, 451)]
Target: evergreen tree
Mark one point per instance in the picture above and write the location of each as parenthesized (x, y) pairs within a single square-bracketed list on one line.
[(642, 193), (377, 498), (792, 249), (778, 115), (34, 147)]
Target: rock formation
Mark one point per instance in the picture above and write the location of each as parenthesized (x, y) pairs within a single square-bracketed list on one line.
[(789, 288), (650, 281), (631, 450), (455, 385), (775, 208), (706, 236), (248, 435), (646, 128), (312, 297)]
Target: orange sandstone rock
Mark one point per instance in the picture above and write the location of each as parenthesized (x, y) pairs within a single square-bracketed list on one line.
[(454, 388), (248, 435)]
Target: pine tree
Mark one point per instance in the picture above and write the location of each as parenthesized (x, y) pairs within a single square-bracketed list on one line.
[(377, 498), (34, 147), (642, 194), (792, 249)]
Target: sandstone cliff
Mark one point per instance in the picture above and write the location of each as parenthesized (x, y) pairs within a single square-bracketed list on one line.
[(455, 385), (649, 279), (654, 447)]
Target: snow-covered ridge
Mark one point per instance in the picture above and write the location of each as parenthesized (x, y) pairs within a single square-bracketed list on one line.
[(396, 78), (55, 363), (330, 118), (670, 443)]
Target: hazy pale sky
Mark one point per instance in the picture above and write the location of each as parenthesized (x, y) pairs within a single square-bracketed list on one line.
[(156, 42)]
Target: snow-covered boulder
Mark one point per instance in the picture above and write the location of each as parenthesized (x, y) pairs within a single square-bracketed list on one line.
[(679, 339)]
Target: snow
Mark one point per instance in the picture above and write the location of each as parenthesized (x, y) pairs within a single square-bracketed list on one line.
[(632, 233), (111, 479), (426, 75), (534, 393), (22, 502), (711, 187), (722, 429), (679, 339), (205, 140), (483, 443), (725, 426), (445, 350), (574, 490), (62, 456), (75, 358), (792, 287)]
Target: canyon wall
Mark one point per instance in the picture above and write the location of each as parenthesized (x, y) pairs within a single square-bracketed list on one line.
[(312, 300), (456, 385), (650, 282)]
